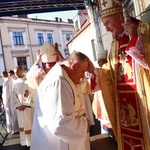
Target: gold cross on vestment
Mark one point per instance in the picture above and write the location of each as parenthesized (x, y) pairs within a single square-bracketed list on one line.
[(104, 3)]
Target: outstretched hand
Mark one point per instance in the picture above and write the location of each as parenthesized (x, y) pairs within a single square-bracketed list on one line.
[(91, 67)]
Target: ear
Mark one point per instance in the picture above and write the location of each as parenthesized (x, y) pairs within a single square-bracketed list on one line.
[(119, 16), (74, 66)]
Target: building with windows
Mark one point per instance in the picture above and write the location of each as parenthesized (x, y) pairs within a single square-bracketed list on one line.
[(20, 38), (84, 37)]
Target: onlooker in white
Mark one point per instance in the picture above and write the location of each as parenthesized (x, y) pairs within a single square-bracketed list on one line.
[(6, 96), (15, 127), (23, 103)]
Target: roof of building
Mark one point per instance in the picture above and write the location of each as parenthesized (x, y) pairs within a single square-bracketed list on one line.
[(83, 27), (34, 20), (17, 7)]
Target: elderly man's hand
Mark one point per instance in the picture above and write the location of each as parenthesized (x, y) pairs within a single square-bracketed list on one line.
[(130, 28), (101, 62), (21, 108)]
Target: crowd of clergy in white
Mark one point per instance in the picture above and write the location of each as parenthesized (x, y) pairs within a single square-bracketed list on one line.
[(54, 113)]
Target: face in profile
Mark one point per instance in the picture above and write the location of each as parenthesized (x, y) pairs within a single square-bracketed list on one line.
[(79, 71), (47, 66), (19, 72), (113, 24)]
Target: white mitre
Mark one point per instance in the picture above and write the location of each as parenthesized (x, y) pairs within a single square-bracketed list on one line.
[(108, 7), (50, 53)]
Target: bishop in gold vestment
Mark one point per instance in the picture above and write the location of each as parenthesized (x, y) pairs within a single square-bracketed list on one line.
[(125, 86), (125, 79)]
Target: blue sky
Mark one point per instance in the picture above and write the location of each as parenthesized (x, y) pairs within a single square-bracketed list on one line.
[(51, 16)]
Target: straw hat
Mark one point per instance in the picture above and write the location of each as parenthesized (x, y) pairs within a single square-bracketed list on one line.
[(108, 7), (50, 53)]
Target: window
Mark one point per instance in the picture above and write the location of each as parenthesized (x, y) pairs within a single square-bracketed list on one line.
[(21, 61), (18, 38), (66, 52), (76, 25), (93, 48), (2, 63), (68, 37), (40, 38), (2, 67), (50, 38)]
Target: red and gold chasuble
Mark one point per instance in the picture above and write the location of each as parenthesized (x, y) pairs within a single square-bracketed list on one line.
[(130, 119)]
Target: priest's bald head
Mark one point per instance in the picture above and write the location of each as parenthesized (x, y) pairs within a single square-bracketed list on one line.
[(76, 64)]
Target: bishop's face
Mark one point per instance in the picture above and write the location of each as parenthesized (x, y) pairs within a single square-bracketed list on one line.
[(113, 24), (47, 66)]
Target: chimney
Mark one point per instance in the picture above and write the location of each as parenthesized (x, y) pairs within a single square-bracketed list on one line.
[(56, 18), (70, 21)]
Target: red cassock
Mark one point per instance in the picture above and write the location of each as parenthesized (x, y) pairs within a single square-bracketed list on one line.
[(130, 121)]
